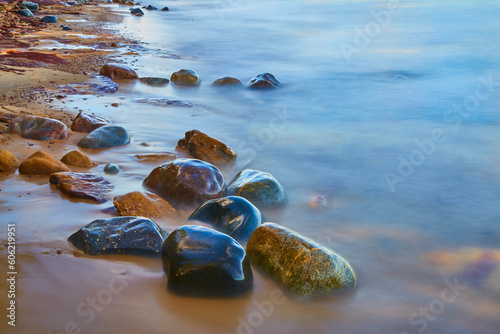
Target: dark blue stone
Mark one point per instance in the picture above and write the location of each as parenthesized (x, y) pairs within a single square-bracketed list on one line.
[(104, 137)]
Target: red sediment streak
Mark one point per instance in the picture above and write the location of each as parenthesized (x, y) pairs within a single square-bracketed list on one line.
[(37, 56)]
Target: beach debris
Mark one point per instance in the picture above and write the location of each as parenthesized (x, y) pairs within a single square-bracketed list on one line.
[(77, 159), (260, 188), (111, 168), (199, 261), (185, 77), (39, 128), (145, 204), (85, 122), (264, 80), (105, 137), (115, 71), (120, 235), (299, 264), (8, 162), (201, 146), (226, 81), (232, 215), (186, 182), (42, 163), (82, 185)]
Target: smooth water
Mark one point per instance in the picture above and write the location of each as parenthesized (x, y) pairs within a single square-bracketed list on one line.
[(397, 131)]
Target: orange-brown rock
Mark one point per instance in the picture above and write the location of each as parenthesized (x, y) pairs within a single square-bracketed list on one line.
[(203, 147), (145, 204), (42, 163), (77, 158), (115, 71)]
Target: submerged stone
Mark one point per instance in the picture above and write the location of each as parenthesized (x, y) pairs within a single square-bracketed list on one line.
[(111, 168), (203, 147), (82, 185), (185, 78), (39, 128), (299, 264), (264, 80), (105, 137), (186, 182), (226, 81), (154, 81), (120, 235), (232, 215), (202, 262), (260, 188)]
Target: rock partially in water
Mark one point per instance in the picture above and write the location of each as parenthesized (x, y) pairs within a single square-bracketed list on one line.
[(202, 262), (85, 122), (25, 12), (154, 81), (120, 235), (185, 78), (156, 157), (264, 80), (41, 163), (104, 137), (151, 7), (226, 81), (39, 128), (49, 19), (187, 182), (146, 204), (111, 168), (8, 162), (115, 71), (232, 215), (203, 147), (33, 7), (165, 9), (78, 159), (260, 188), (137, 12), (299, 264), (82, 185), (165, 103)]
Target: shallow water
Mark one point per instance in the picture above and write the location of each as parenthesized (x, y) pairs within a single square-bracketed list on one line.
[(337, 129)]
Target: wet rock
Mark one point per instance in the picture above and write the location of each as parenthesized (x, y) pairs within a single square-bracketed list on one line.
[(165, 103), (129, 3), (165, 9), (137, 12), (146, 204), (185, 78), (226, 81), (232, 215), (260, 188), (39, 128), (41, 163), (203, 147), (115, 71), (264, 80), (77, 158), (85, 122), (120, 235), (49, 19), (33, 7), (187, 182), (155, 157), (111, 169), (154, 81), (25, 13), (8, 161), (301, 265), (151, 7), (202, 262), (82, 185), (66, 28), (104, 137)]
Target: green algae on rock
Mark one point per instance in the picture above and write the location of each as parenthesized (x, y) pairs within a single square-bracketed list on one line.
[(299, 264)]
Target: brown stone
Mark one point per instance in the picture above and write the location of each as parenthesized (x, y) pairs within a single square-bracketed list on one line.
[(77, 158), (41, 163), (226, 81), (203, 147), (187, 182), (145, 204), (114, 71), (8, 161), (155, 157), (82, 185), (85, 122)]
